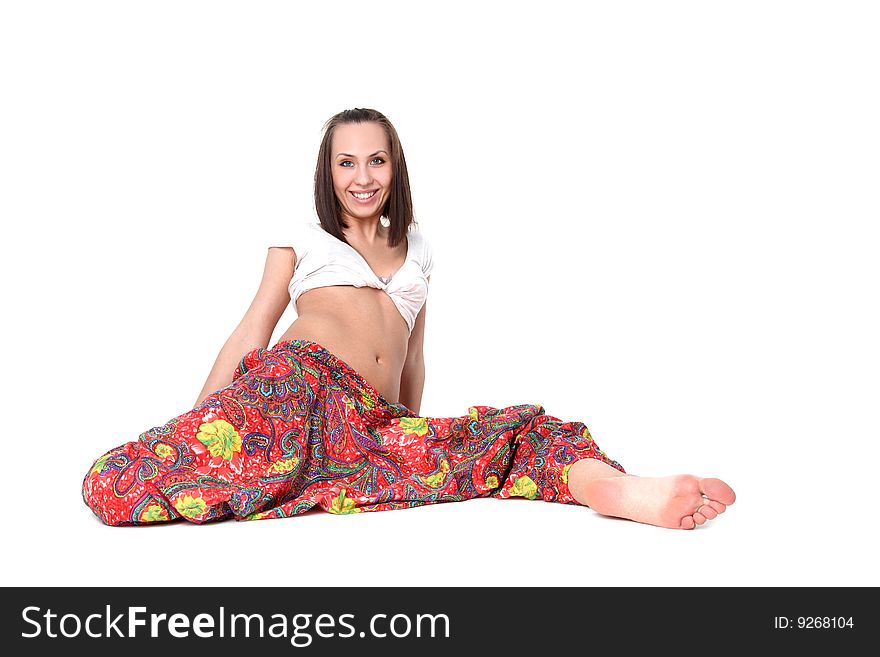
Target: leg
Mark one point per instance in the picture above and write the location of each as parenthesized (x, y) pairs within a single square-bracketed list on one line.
[(229, 457), (537, 452), (299, 428), (675, 502)]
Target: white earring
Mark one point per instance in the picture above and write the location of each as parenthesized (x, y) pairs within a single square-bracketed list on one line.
[(385, 221)]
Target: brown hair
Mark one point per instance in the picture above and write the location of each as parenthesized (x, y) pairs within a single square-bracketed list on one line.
[(398, 208)]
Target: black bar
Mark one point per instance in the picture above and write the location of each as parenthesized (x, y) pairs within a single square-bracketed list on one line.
[(520, 619)]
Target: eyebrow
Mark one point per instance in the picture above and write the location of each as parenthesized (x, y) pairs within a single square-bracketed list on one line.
[(370, 155)]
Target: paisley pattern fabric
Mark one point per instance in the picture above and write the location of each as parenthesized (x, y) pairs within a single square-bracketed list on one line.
[(299, 428)]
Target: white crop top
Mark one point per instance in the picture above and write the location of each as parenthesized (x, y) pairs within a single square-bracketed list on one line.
[(322, 260)]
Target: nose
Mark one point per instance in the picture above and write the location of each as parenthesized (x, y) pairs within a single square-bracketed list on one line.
[(363, 177)]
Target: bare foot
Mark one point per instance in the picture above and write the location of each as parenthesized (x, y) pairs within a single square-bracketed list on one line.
[(676, 502)]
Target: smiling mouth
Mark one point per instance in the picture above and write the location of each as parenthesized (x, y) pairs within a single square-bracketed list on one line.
[(363, 196)]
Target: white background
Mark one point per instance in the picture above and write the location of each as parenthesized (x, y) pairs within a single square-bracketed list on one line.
[(657, 218)]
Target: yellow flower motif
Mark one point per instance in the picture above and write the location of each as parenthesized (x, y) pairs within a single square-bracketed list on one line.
[(565, 473), (154, 513), (472, 411), (220, 438), (190, 507), (524, 487), (492, 481), (260, 515), (99, 464), (164, 451), (342, 504), (436, 479), (283, 466), (416, 425)]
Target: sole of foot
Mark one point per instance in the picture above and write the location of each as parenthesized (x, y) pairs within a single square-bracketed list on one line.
[(674, 502)]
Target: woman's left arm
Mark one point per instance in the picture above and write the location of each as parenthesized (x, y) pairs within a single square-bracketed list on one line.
[(412, 379)]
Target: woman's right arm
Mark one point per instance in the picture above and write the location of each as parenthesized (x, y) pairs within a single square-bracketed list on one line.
[(255, 329)]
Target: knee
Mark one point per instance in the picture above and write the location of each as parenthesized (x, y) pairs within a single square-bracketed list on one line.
[(98, 485), (120, 490), (101, 487)]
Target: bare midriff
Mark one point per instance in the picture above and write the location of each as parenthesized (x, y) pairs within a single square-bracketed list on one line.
[(359, 325)]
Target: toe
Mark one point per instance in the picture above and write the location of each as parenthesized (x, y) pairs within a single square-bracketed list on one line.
[(718, 506), (717, 490), (708, 511), (688, 522), (699, 518)]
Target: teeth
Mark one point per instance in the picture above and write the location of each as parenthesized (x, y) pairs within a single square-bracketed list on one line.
[(363, 196)]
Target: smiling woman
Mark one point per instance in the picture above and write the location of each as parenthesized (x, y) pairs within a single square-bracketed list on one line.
[(329, 416), (366, 192)]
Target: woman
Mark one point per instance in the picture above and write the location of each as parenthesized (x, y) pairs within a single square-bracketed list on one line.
[(329, 415)]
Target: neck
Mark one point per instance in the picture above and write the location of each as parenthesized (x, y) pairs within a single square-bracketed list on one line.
[(368, 230)]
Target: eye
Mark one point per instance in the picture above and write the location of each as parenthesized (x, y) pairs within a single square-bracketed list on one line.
[(344, 162)]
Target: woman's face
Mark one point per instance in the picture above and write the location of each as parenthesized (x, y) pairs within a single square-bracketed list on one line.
[(361, 162)]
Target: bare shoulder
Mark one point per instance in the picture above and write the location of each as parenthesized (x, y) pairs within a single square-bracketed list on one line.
[(282, 255), (280, 262)]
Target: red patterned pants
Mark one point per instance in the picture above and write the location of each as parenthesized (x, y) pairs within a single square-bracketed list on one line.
[(298, 427)]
